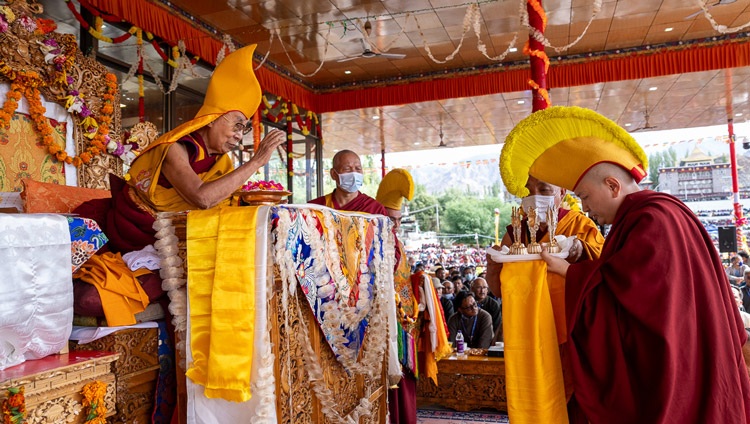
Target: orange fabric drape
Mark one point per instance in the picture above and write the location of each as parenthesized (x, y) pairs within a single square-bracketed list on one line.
[(170, 26)]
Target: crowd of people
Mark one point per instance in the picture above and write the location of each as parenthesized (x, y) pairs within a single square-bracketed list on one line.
[(434, 255)]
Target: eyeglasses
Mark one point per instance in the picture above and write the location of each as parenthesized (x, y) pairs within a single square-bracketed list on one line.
[(239, 127), (470, 307)]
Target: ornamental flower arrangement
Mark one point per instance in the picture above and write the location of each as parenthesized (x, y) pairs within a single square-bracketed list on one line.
[(53, 57), (269, 185), (93, 402), (14, 407)]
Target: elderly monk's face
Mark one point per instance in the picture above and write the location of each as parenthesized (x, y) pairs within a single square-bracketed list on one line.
[(344, 164), (226, 132), (540, 188)]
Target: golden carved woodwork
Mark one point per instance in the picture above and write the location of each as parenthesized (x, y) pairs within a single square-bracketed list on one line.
[(20, 50), (466, 384), (136, 371), (53, 385), (304, 407), (296, 403), (143, 133)]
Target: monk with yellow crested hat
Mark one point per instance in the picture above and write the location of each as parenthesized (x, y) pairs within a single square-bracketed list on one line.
[(189, 167), (653, 333), (395, 186), (418, 311)]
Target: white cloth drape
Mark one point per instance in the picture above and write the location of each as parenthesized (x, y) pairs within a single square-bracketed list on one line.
[(36, 287)]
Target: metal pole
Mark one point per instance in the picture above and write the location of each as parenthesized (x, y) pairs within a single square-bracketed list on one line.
[(437, 219)]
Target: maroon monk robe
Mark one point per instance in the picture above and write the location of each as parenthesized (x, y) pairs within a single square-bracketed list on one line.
[(361, 203), (654, 334), (126, 224)]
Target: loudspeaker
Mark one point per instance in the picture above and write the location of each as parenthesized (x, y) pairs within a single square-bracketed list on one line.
[(727, 239)]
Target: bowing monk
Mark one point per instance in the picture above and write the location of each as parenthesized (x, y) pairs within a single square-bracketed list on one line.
[(190, 167), (653, 333), (347, 172)]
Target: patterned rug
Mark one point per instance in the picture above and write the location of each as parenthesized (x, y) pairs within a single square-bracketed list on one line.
[(445, 416)]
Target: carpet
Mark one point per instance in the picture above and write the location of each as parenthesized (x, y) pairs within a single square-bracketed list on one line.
[(443, 416)]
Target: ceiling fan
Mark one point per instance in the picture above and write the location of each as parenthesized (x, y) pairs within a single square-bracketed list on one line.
[(708, 6), (368, 50), (647, 125), (442, 143)]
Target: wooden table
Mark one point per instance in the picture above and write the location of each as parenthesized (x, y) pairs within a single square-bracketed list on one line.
[(465, 384), (53, 385)]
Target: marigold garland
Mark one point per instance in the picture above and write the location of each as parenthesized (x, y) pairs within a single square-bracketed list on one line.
[(14, 407), (93, 402), (27, 83)]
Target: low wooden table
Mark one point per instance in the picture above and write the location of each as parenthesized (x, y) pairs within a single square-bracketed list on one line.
[(53, 385), (465, 384)]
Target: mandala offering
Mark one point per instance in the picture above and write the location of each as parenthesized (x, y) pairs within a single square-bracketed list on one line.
[(257, 193)]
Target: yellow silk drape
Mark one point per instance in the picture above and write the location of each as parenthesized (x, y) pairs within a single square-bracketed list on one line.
[(221, 289), (533, 371)]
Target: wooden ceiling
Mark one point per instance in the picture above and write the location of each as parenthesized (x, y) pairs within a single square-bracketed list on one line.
[(311, 32)]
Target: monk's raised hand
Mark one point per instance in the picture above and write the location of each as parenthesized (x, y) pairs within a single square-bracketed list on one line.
[(555, 264), (268, 145)]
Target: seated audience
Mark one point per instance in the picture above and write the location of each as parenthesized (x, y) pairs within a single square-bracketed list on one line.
[(481, 292), (445, 303), (474, 323)]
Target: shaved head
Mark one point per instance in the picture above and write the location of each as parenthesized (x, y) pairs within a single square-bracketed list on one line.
[(342, 156)]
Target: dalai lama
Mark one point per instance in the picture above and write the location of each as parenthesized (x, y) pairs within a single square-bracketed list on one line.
[(347, 172)]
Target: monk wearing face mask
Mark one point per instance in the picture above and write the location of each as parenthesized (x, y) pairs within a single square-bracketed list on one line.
[(347, 172)]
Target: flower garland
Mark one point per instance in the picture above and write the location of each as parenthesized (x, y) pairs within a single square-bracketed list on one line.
[(723, 29), (14, 407), (93, 400), (28, 83), (539, 36)]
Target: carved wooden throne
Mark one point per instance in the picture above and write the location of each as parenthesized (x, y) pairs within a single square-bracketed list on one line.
[(47, 69)]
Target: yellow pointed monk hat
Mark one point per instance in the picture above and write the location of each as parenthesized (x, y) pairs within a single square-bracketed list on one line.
[(561, 143), (233, 86), (396, 185)]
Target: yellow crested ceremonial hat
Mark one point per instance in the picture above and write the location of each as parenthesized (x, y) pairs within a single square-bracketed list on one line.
[(396, 185), (233, 86), (560, 144)]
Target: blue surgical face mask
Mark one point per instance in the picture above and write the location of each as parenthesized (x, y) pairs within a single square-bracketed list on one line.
[(449, 296), (351, 182), (469, 277)]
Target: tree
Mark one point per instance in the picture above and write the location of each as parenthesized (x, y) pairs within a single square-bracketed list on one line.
[(466, 216), (427, 219)]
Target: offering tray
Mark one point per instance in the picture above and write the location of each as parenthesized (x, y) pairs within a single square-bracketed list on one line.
[(503, 256), (262, 197)]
